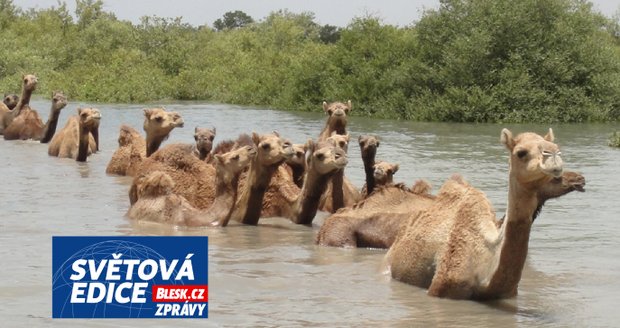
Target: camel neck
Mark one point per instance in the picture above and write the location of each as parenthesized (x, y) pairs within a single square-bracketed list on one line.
[(50, 125), (251, 203), (514, 240), (202, 154), (298, 174), (225, 196), (308, 203), (152, 145), (24, 100), (368, 157), (83, 144), (337, 190)]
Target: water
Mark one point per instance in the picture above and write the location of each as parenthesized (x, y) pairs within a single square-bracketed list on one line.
[(274, 275)]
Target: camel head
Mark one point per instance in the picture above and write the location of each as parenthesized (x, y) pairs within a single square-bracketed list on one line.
[(384, 172), (29, 82), (299, 156), (154, 184), (340, 141), (368, 145), (59, 101), (534, 160), (158, 122), (236, 160), (272, 150), (89, 118), (204, 139), (337, 113), (325, 157), (10, 100)]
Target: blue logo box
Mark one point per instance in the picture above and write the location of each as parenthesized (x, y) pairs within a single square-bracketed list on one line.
[(130, 277)]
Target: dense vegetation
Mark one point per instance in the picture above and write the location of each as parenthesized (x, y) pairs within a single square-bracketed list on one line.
[(468, 61)]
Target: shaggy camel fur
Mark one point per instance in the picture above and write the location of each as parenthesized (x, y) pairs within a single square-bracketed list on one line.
[(29, 84), (158, 202), (76, 140), (455, 247), (194, 179), (133, 148), (28, 125), (272, 152)]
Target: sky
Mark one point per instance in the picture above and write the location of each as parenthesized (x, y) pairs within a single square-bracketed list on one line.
[(332, 12)]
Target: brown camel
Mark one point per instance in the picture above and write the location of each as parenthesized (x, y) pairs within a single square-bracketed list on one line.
[(158, 202), (455, 247), (194, 179), (29, 84), (28, 125), (133, 148), (76, 139), (337, 119), (348, 194), (297, 164), (204, 142), (368, 148), (272, 152), (10, 101)]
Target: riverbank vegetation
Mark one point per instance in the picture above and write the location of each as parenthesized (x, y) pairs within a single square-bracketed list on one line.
[(468, 61)]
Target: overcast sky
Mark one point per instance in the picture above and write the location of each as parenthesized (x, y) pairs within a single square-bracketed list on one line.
[(333, 12)]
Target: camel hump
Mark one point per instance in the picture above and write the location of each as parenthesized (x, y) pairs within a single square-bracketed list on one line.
[(421, 187), (155, 184), (459, 179)]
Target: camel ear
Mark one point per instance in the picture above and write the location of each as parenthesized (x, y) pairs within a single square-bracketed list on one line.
[(255, 138), (220, 158), (276, 133), (346, 137), (507, 139), (195, 129), (147, 112), (349, 104), (310, 146), (359, 139), (214, 130), (395, 168), (324, 106), (549, 136)]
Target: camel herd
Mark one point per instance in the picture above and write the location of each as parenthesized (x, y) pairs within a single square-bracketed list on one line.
[(451, 242)]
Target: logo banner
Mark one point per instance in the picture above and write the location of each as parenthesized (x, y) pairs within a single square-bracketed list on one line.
[(130, 277)]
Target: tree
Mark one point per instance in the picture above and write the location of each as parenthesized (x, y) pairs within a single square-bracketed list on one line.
[(329, 34), (232, 20)]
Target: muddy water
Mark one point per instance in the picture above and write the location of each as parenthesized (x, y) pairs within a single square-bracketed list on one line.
[(274, 275)]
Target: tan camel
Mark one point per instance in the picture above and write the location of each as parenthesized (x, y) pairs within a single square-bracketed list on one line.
[(29, 84), (204, 142), (332, 201), (297, 164), (28, 125), (337, 119), (10, 101), (76, 140), (455, 247), (194, 179), (158, 202), (272, 152), (133, 148)]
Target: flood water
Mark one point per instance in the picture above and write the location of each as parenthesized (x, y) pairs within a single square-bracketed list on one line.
[(274, 274)]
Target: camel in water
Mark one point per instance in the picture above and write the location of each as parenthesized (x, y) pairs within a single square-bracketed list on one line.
[(79, 137), (456, 247)]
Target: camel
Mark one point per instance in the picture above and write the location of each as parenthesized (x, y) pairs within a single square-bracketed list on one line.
[(204, 142), (28, 125), (133, 148), (376, 221), (297, 164), (337, 119), (29, 84), (158, 202), (10, 101), (76, 139), (368, 148), (272, 152), (194, 179), (456, 248)]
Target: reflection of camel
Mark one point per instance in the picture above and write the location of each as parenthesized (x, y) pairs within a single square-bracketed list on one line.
[(28, 124), (132, 148), (76, 139), (158, 202), (29, 84), (272, 152), (456, 248)]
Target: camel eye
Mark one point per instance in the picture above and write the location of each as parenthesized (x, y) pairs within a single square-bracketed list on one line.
[(235, 158), (266, 146), (330, 112), (320, 156), (159, 119), (211, 138), (342, 144), (522, 153), (196, 137)]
